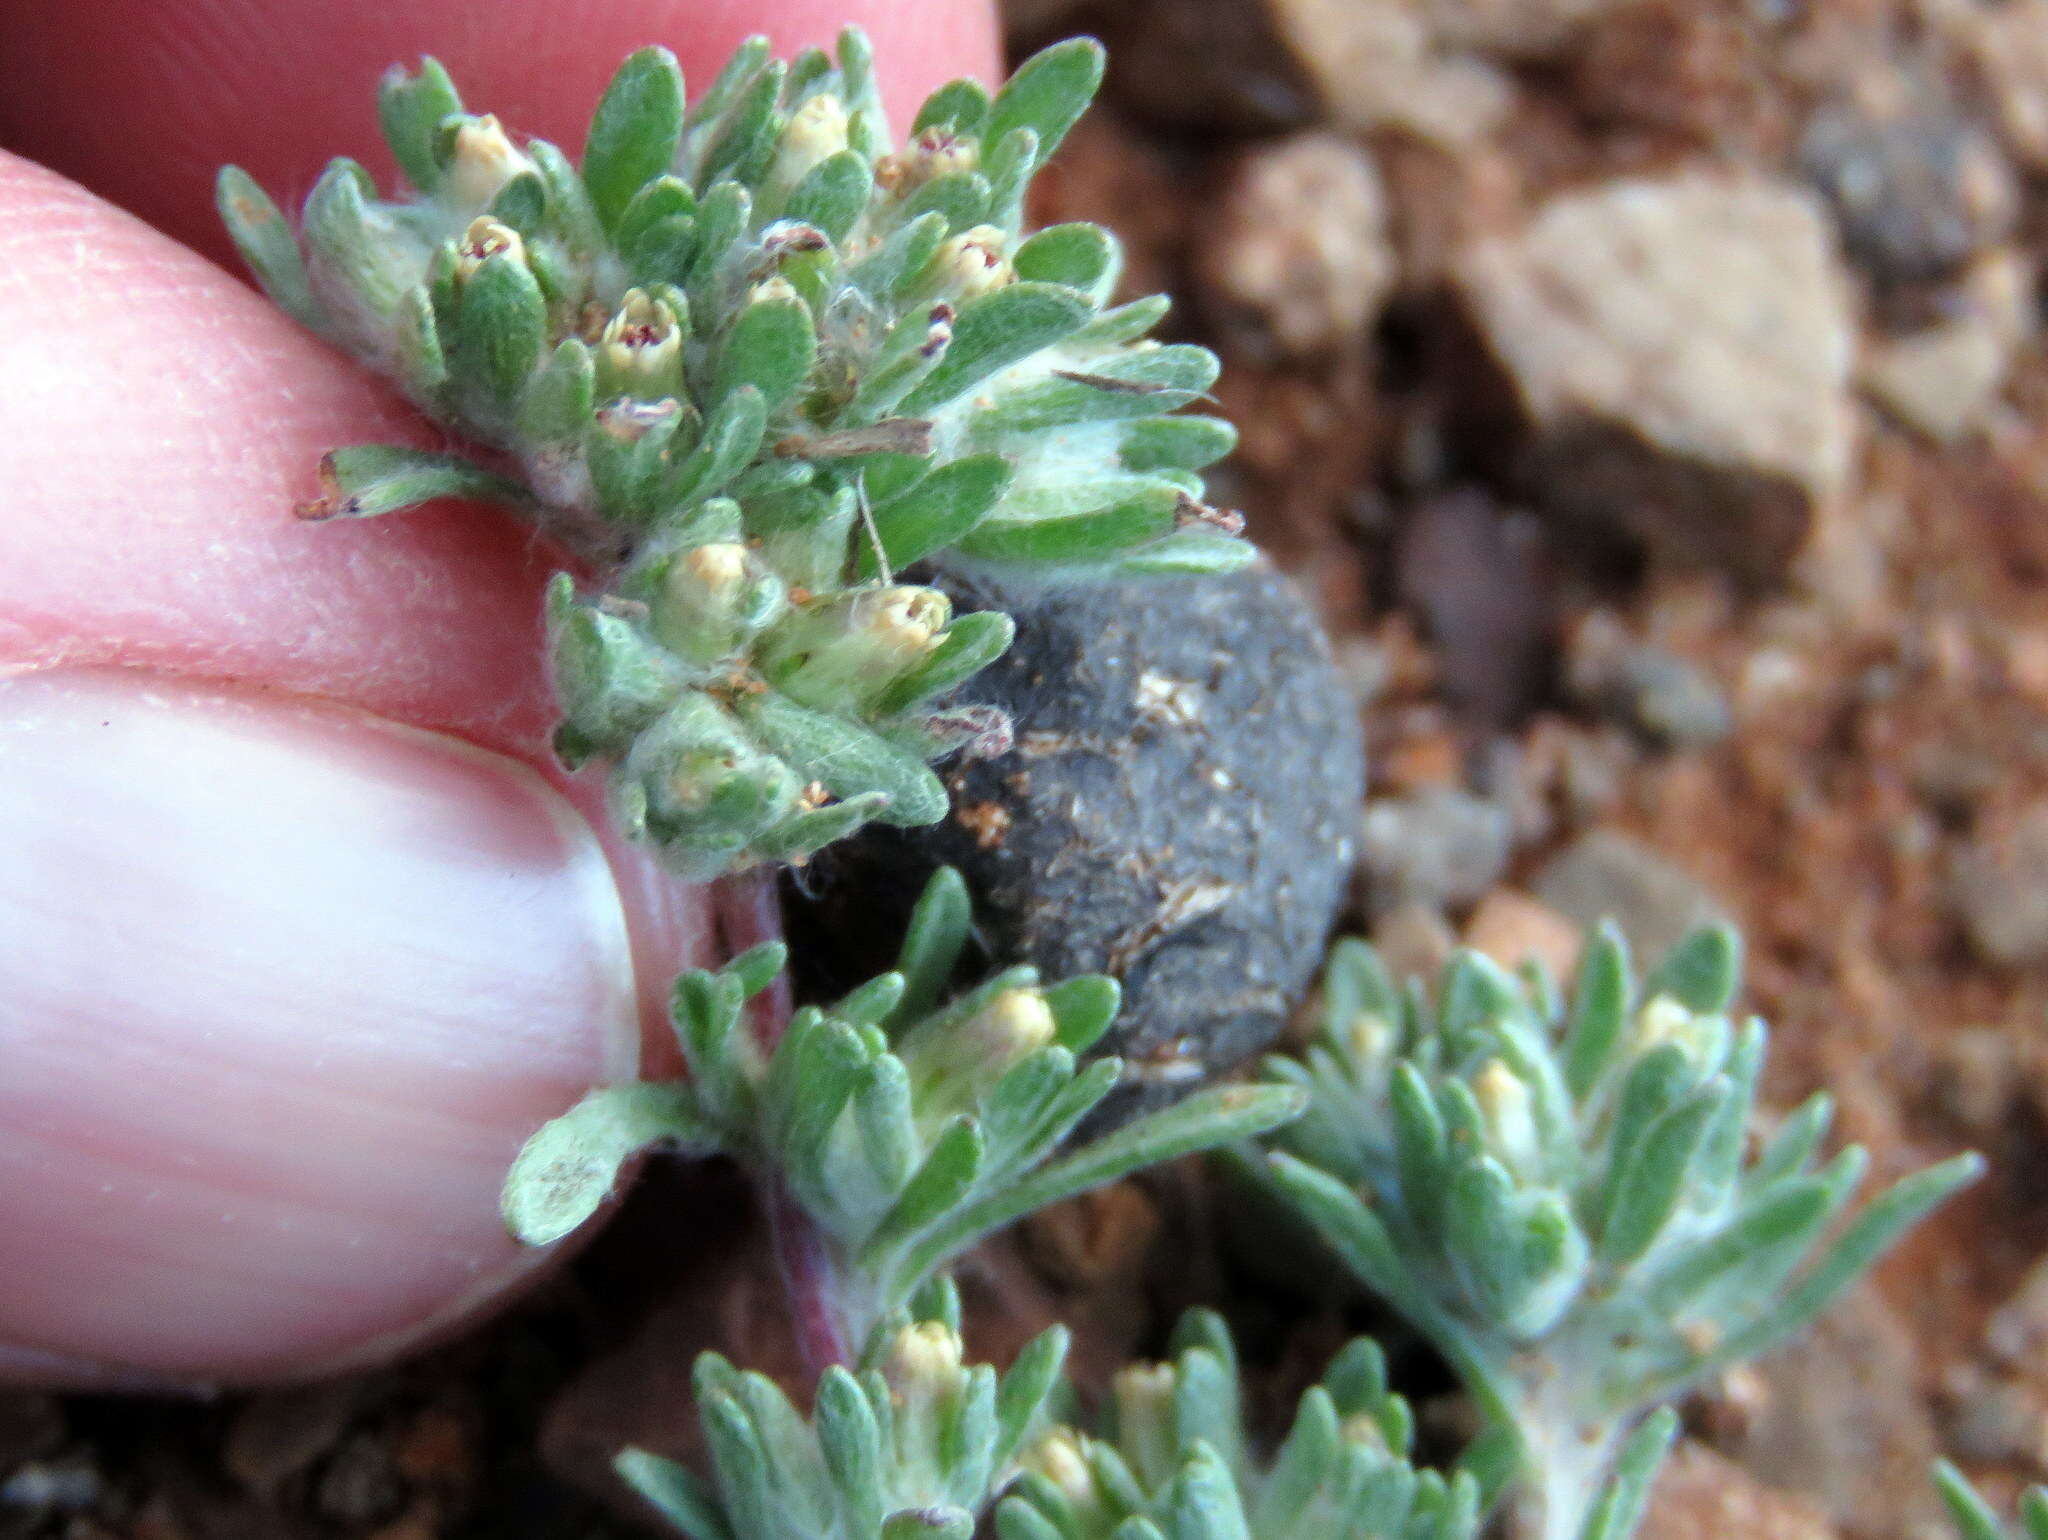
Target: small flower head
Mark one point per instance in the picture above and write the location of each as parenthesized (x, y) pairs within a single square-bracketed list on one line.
[(925, 1362), (973, 263), (486, 238), (816, 132), (481, 161), (640, 352)]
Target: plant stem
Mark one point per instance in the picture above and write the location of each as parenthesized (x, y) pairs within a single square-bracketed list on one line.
[(748, 913)]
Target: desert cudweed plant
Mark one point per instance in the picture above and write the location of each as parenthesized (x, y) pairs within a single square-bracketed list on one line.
[(912, 1448), (1975, 1519), (750, 362), (1560, 1197), (901, 1130), (1175, 1463)]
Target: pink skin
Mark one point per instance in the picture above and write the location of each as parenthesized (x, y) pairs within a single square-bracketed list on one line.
[(300, 933)]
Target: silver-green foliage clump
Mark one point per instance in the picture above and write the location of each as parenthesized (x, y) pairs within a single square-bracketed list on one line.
[(902, 1128), (749, 362), (1174, 1461), (912, 1447), (1562, 1195)]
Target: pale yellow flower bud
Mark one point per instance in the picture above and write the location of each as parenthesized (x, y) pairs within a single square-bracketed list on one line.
[(1505, 1103), (924, 1360), (973, 262), (641, 349), (1016, 1023), (906, 621), (1061, 1457), (484, 160), (486, 238), (816, 132)]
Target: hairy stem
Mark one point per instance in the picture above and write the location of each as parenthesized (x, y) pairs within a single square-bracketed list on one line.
[(748, 913)]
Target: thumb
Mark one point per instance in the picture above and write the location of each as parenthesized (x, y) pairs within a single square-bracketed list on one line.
[(289, 964)]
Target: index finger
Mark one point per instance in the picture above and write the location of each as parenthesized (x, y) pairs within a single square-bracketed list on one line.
[(143, 101)]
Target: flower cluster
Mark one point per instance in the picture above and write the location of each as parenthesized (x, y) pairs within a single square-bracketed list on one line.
[(749, 362)]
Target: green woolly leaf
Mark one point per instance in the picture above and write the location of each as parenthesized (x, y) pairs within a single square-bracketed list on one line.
[(745, 142), (410, 108), (1868, 1237), (869, 1004), (993, 331), (848, 759), (1144, 516), (747, 61), (264, 238), (1009, 163), (522, 203), (722, 214), (1176, 443), (1025, 1391), (1646, 1191), (633, 137), (500, 328), (422, 367), (771, 348), (1187, 553), (571, 220), (950, 1170), (566, 1170), (1622, 1502), (937, 512), (731, 440), (1081, 256), (1048, 94), (887, 1125), (758, 967), (1702, 972), (961, 105), (937, 1299), (1203, 1502), (1203, 1121), (664, 197), (1974, 1517), (1601, 1003), (969, 645), (365, 480), (676, 1493), (1788, 1151), (939, 926), (555, 411), (833, 195), (662, 252), (1126, 323), (850, 1439), (1083, 1009), (961, 198)]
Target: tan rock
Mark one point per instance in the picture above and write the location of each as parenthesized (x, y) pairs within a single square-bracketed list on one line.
[(1680, 351), (2009, 45), (1513, 928), (1944, 380), (1378, 63), (1301, 244)]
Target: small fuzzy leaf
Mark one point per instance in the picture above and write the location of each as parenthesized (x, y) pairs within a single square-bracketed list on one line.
[(1081, 256), (1601, 1002), (676, 1493), (771, 348), (1974, 1518), (1702, 972), (1619, 1508), (937, 512), (634, 135), (1183, 443), (1025, 1391), (745, 141), (1048, 94), (1646, 1192), (1142, 517), (961, 105), (500, 328), (947, 1176), (932, 943), (1187, 553), (833, 195), (410, 107), (1083, 1009), (566, 1170), (264, 238), (848, 759), (731, 439), (365, 480), (993, 331)]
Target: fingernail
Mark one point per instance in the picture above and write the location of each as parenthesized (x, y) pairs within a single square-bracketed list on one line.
[(282, 989)]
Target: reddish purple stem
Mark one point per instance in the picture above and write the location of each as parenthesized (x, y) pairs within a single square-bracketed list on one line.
[(748, 913)]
